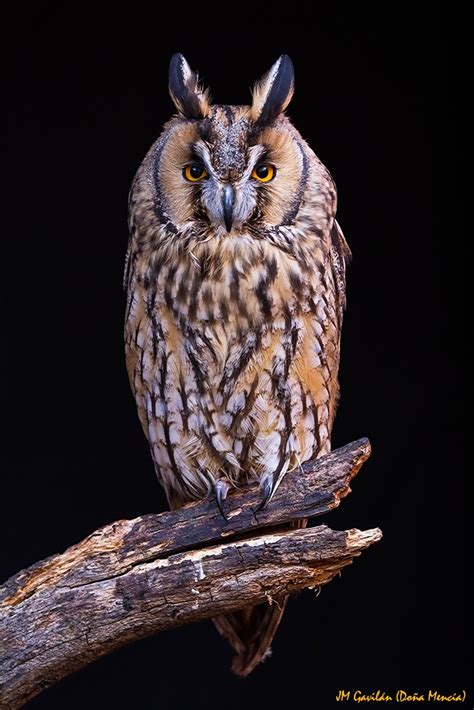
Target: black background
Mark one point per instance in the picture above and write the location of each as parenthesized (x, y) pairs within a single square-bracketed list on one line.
[(86, 95)]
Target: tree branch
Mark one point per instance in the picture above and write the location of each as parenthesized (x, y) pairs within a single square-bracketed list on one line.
[(134, 578)]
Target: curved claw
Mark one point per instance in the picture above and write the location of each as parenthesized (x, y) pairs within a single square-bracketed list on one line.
[(268, 491), (221, 489)]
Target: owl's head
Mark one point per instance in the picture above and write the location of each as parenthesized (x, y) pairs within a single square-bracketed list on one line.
[(219, 170)]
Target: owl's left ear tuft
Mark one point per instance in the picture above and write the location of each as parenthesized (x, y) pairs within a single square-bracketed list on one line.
[(273, 93), (191, 100)]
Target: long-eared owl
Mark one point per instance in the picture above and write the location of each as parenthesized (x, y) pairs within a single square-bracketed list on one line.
[(236, 287)]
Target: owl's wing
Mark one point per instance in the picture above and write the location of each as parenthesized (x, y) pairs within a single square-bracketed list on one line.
[(126, 269), (340, 258)]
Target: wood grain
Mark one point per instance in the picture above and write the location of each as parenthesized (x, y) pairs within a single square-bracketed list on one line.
[(135, 578)]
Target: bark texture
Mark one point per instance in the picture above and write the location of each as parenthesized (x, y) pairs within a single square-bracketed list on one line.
[(134, 578)]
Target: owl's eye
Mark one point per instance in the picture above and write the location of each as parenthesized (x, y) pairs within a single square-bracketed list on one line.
[(264, 172), (194, 172)]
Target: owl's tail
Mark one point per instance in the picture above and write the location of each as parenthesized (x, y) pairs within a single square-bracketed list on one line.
[(250, 631)]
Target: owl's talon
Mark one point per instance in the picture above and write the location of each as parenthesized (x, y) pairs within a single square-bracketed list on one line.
[(221, 489), (267, 494)]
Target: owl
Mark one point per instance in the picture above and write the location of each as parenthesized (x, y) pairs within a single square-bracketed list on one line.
[(235, 279)]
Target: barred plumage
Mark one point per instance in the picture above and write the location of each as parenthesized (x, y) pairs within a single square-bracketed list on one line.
[(236, 286)]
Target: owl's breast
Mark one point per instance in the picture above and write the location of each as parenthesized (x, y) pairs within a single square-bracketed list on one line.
[(234, 366), (240, 282)]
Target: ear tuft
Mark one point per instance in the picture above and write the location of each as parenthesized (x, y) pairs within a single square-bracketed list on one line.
[(191, 100), (272, 94)]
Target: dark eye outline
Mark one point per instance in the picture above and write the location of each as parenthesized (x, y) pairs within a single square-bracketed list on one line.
[(272, 171), (187, 172)]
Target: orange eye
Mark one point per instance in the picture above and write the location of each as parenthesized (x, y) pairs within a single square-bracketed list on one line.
[(194, 172), (264, 172)]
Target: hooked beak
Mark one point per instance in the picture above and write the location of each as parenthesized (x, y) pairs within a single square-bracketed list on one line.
[(228, 204)]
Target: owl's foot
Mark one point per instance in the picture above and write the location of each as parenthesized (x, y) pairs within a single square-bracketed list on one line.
[(221, 489), (270, 482)]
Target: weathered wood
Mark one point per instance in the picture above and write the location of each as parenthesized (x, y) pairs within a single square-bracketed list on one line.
[(135, 578), (315, 490), (60, 629)]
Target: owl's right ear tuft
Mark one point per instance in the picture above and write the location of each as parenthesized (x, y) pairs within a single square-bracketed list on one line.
[(191, 100)]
